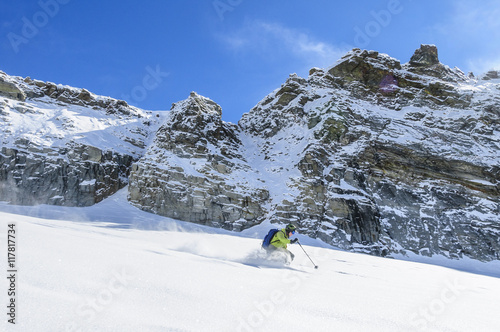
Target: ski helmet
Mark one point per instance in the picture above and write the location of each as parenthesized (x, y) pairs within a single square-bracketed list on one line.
[(290, 228)]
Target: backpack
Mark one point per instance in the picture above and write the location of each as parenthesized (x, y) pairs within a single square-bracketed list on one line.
[(269, 237)]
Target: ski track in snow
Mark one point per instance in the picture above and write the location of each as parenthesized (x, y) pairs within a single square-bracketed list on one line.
[(112, 267)]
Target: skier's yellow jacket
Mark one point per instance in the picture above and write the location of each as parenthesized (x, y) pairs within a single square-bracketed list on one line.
[(280, 240)]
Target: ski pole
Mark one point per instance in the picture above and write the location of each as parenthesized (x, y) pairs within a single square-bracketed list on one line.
[(315, 266)]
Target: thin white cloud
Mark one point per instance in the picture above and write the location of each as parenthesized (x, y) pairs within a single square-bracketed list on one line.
[(272, 39), (480, 66), (470, 18), (300, 43), (475, 25)]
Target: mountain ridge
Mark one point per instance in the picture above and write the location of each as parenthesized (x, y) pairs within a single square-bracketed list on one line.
[(368, 154)]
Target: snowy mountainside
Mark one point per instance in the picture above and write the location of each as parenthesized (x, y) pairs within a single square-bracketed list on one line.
[(195, 171), (166, 275), (67, 146), (368, 155)]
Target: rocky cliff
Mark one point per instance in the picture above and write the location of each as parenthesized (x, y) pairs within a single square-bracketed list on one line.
[(369, 155), (66, 146), (195, 170)]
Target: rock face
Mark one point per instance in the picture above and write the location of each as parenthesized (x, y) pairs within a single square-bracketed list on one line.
[(425, 56), (65, 146), (369, 155), (76, 175), (187, 173), (10, 90)]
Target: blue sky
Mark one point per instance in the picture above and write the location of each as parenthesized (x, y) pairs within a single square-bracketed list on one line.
[(155, 52)]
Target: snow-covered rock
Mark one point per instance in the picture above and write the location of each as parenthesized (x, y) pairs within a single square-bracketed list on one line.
[(190, 171), (65, 146), (369, 155)]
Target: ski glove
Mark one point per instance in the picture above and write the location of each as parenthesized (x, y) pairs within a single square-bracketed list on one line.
[(294, 240)]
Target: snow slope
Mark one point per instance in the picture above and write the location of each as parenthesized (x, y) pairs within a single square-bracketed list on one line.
[(116, 268), (47, 124)]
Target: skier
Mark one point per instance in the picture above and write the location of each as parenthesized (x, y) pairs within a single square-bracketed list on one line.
[(280, 240)]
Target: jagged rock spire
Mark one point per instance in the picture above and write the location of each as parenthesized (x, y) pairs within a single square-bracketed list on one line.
[(426, 55)]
